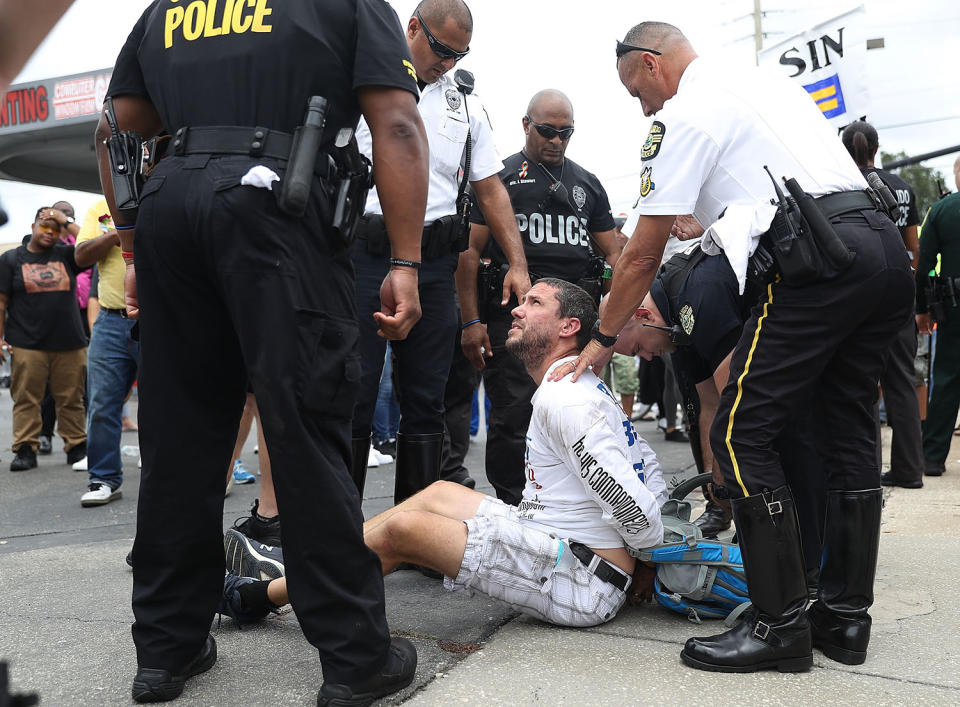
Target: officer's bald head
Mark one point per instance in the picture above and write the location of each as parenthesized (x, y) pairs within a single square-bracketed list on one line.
[(656, 35), (549, 100), (436, 12)]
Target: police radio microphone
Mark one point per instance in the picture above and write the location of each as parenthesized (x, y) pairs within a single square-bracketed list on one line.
[(295, 189), (678, 337), (465, 81)]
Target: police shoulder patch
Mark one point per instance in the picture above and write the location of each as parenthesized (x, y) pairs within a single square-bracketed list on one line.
[(646, 181), (651, 146), (686, 319), (453, 98)]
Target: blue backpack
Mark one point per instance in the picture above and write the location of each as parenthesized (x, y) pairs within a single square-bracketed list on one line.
[(701, 579)]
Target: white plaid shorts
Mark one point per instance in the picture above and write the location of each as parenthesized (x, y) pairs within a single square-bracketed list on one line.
[(514, 563)]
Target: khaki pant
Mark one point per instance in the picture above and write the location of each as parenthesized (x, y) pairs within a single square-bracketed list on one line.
[(65, 371)]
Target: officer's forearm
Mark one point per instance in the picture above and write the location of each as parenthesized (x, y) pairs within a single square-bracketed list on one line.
[(400, 165), (607, 241), (498, 213), (466, 279), (636, 268), (709, 401)]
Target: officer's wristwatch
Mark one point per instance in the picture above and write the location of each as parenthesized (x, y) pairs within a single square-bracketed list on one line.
[(70, 219), (601, 338)]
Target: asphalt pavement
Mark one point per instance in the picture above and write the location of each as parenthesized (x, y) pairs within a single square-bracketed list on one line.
[(65, 614)]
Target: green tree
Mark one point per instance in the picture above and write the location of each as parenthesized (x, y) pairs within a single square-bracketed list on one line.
[(922, 179)]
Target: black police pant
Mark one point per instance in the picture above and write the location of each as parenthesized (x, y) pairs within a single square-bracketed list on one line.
[(230, 288), (458, 403), (422, 360), (903, 407), (945, 392), (510, 389), (830, 337)]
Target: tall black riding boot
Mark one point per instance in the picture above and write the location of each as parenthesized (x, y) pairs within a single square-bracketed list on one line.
[(839, 619), (776, 633), (358, 464), (418, 463)]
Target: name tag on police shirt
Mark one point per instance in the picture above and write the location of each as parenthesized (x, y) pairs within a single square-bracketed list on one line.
[(213, 18)]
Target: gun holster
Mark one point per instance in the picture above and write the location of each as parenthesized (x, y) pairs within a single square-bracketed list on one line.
[(125, 151), (353, 178)]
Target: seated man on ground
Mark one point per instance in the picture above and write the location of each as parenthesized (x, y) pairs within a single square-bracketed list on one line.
[(593, 493)]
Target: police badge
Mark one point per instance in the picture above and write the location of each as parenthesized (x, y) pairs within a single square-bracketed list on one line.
[(651, 145), (579, 196), (453, 98), (686, 319)]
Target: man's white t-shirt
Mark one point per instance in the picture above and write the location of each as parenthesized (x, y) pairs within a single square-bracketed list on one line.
[(590, 477)]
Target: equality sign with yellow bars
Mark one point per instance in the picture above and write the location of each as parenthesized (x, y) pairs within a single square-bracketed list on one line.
[(829, 61)]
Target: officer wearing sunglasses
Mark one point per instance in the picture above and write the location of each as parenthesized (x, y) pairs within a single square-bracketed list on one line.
[(564, 218), (438, 35)]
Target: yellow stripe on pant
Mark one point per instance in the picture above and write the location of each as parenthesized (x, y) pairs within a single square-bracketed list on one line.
[(746, 369)]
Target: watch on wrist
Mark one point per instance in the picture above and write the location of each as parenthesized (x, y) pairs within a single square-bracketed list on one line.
[(601, 338), (69, 220)]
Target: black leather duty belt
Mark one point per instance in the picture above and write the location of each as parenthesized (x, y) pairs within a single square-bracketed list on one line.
[(843, 202), (232, 140), (602, 569)]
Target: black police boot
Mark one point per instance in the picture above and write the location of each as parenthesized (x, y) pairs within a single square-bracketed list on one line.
[(360, 446), (839, 619), (26, 459), (715, 519), (776, 635), (395, 675), (418, 463), (154, 685)]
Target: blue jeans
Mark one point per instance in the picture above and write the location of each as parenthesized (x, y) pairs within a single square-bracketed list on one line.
[(112, 361), (386, 416)]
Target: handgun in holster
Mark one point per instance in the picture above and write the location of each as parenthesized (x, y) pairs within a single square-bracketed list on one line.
[(941, 293), (125, 151), (489, 287), (354, 179)]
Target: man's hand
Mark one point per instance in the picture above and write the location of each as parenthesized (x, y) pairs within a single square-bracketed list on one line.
[(924, 324), (130, 292), (593, 355), (399, 304), (4, 350), (641, 588), (517, 281), (687, 227), (475, 343)]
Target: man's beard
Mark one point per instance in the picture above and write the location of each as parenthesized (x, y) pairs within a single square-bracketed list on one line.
[(531, 347)]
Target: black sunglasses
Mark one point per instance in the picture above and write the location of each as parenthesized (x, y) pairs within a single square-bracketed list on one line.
[(548, 132), (627, 48), (438, 47)]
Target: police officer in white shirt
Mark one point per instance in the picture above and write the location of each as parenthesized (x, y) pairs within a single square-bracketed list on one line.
[(438, 35), (822, 323)]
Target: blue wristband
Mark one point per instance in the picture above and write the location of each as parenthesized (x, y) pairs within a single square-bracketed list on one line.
[(125, 228), (470, 323)]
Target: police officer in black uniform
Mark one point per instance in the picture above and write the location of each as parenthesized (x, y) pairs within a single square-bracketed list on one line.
[(233, 287), (567, 230), (897, 381), (842, 290), (695, 313)]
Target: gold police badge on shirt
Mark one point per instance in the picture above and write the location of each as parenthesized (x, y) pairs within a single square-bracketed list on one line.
[(651, 145), (646, 181), (686, 319)]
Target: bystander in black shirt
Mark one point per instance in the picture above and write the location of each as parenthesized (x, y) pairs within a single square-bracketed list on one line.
[(42, 312), (554, 231)]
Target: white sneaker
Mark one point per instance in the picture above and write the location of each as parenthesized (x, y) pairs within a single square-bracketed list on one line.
[(381, 457), (372, 458), (99, 494), (82, 466)]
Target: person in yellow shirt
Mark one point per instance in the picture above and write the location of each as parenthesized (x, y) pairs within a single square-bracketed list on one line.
[(112, 358)]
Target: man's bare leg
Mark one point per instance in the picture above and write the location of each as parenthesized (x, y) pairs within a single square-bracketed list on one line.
[(442, 498), (243, 431), (268, 497), (426, 529)]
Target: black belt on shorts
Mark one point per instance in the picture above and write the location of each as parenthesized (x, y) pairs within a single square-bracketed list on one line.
[(843, 202), (121, 312), (604, 570)]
